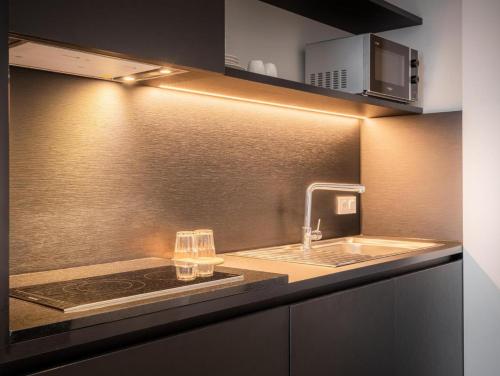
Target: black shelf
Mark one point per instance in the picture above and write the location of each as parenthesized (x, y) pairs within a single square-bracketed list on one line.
[(354, 16), (299, 94), (244, 85)]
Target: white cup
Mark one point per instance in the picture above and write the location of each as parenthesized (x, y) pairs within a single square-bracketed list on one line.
[(256, 66), (271, 70)]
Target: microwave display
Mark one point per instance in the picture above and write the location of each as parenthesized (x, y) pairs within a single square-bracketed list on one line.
[(389, 67)]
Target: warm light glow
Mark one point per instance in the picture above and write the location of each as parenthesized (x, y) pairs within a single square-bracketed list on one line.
[(259, 102), (165, 71), (128, 78)]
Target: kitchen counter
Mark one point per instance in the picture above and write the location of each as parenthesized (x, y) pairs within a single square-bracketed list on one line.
[(29, 320), (37, 329), (298, 272)]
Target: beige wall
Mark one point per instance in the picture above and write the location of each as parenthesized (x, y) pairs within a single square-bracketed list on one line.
[(412, 169)]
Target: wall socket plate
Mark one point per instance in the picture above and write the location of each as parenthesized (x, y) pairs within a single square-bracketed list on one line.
[(345, 205)]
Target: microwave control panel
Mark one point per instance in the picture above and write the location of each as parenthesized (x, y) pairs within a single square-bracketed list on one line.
[(414, 63)]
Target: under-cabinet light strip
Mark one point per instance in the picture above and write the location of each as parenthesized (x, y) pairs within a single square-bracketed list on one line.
[(259, 102)]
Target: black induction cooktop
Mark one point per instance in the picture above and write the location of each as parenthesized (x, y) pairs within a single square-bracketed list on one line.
[(97, 292)]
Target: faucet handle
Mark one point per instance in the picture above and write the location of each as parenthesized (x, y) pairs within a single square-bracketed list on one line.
[(316, 234)]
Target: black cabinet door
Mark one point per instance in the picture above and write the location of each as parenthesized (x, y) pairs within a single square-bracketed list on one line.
[(350, 333), (429, 325), (251, 345), (4, 178), (187, 32)]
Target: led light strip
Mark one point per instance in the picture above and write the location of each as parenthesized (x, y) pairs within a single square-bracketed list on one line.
[(259, 102)]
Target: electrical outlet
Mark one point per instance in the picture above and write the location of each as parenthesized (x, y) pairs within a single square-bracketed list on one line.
[(346, 205)]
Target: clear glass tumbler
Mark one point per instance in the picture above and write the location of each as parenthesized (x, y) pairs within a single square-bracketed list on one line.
[(185, 254), (204, 240)]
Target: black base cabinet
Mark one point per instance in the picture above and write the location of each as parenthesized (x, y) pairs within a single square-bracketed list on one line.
[(411, 325), (347, 333), (405, 326), (252, 345), (429, 324)]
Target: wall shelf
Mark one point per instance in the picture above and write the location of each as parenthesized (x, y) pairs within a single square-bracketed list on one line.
[(244, 85), (324, 99), (354, 16)]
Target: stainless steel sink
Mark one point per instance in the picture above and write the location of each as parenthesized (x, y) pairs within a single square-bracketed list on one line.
[(337, 252)]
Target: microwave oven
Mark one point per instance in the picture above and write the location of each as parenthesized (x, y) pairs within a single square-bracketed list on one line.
[(364, 64)]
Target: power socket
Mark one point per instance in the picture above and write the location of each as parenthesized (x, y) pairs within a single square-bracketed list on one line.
[(345, 205)]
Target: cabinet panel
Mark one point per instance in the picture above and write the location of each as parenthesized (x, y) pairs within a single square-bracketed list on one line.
[(188, 32), (429, 325), (346, 333), (4, 178), (251, 345)]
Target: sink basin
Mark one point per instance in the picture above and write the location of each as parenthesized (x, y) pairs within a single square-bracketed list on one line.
[(338, 252)]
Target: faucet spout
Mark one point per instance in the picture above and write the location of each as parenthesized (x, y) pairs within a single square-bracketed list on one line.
[(340, 187)]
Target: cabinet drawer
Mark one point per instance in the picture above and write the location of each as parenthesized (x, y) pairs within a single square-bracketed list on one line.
[(251, 345), (346, 333), (429, 324)]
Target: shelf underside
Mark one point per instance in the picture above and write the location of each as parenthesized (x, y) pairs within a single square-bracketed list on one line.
[(354, 16), (245, 85)]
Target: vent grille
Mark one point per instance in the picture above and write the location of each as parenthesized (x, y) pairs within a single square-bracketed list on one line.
[(343, 79), (312, 79), (328, 80), (336, 79)]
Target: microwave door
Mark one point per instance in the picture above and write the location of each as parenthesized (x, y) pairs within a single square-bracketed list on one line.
[(389, 69)]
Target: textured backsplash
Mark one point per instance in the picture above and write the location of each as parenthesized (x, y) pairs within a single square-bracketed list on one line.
[(412, 169), (101, 171)]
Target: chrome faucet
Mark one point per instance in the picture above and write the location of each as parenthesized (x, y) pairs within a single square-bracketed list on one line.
[(307, 234)]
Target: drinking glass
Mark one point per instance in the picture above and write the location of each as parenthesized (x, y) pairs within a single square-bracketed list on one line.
[(185, 254), (204, 240)]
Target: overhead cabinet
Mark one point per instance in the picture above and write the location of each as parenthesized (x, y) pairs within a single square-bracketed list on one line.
[(188, 32)]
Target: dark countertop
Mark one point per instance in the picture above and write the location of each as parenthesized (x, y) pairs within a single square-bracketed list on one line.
[(29, 320), (38, 330)]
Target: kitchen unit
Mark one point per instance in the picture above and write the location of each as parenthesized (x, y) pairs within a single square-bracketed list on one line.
[(323, 318), (396, 314)]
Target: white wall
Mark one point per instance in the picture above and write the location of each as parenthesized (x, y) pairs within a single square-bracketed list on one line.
[(481, 158), (256, 30), (439, 43)]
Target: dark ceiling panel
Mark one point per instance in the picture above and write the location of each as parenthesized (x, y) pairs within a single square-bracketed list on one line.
[(354, 16)]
